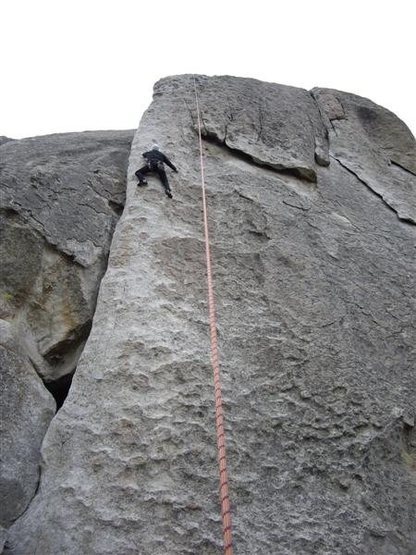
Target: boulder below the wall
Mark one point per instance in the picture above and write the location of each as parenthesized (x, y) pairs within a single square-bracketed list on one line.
[(26, 412)]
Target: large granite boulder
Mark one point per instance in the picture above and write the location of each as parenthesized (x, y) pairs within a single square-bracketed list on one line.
[(315, 279), (60, 198)]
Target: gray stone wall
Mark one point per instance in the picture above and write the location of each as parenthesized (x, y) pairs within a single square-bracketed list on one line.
[(312, 211)]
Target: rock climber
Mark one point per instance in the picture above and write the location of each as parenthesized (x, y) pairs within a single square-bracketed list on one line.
[(155, 160)]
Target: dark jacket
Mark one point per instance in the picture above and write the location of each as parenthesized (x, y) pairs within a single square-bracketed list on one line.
[(153, 157)]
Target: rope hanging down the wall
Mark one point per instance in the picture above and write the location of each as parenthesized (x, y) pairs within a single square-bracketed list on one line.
[(219, 413)]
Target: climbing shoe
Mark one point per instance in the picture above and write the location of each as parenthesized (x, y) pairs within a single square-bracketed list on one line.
[(169, 194), (142, 183)]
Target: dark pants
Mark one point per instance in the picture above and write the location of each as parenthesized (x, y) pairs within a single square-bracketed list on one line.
[(157, 169)]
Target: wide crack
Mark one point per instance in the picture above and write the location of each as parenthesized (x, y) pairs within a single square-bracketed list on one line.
[(62, 360), (60, 388)]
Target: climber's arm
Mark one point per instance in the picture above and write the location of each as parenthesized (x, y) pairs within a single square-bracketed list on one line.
[(169, 163)]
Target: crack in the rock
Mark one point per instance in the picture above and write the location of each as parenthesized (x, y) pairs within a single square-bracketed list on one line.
[(323, 117), (304, 208), (302, 173), (59, 388), (116, 207), (194, 124), (89, 184), (352, 172), (92, 207), (63, 356), (242, 195), (395, 163)]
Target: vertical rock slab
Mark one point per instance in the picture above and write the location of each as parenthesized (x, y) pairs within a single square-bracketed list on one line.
[(315, 297)]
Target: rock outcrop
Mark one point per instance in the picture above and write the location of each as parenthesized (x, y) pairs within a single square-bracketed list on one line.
[(61, 196), (312, 211)]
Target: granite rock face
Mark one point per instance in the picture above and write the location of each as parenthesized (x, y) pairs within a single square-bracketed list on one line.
[(60, 197), (314, 263)]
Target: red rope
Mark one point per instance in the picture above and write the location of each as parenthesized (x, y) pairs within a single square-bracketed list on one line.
[(219, 413)]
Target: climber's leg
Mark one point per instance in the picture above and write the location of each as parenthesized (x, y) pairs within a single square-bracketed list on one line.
[(141, 173), (165, 182)]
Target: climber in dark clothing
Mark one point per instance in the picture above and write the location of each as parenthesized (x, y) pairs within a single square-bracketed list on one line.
[(154, 163)]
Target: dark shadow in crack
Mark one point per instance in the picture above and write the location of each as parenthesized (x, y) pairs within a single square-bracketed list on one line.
[(60, 388)]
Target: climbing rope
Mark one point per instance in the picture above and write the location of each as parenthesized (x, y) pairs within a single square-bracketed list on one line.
[(219, 413)]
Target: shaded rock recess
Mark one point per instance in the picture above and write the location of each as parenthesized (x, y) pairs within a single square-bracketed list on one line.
[(312, 199)]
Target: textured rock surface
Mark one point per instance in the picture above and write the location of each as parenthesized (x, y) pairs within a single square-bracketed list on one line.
[(4, 139), (60, 197), (315, 294), (260, 122), (375, 145), (26, 411)]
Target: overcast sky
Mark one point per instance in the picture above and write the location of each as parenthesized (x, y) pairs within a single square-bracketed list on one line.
[(86, 64)]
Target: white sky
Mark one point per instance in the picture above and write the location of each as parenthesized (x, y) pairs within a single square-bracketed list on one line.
[(87, 64)]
